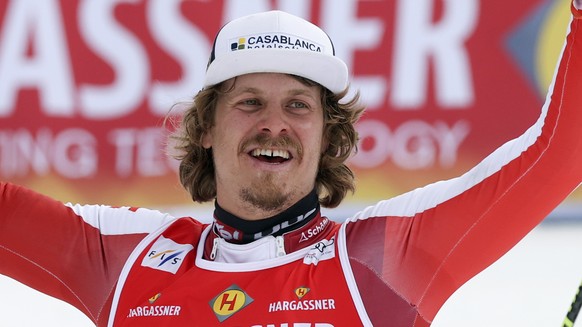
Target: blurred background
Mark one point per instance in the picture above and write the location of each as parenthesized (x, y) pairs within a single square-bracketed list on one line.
[(85, 88)]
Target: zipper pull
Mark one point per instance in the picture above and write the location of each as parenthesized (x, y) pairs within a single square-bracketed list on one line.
[(214, 249), (280, 241)]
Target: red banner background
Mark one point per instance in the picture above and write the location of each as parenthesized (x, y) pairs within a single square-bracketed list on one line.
[(85, 87)]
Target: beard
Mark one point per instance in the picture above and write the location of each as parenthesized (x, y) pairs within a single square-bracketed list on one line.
[(267, 191), (266, 194)]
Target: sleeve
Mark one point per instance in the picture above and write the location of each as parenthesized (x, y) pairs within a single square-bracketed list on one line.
[(74, 253), (435, 238)]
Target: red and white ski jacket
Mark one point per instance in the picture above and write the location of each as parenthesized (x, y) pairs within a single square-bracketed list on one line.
[(392, 264)]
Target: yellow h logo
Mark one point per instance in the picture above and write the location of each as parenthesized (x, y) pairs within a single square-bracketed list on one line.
[(301, 291), (229, 302)]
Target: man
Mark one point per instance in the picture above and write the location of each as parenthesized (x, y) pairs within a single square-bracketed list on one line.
[(267, 139)]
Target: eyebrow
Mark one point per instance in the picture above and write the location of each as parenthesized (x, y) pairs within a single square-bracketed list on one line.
[(292, 92), (301, 92), (246, 90)]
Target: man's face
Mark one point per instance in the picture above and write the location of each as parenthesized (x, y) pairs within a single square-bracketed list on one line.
[(266, 143)]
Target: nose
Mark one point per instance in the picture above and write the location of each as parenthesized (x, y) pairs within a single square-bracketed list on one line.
[(273, 121)]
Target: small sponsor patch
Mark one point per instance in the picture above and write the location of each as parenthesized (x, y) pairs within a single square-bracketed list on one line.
[(273, 41), (302, 305), (154, 311), (322, 250), (301, 291), (305, 236), (154, 298), (166, 255)]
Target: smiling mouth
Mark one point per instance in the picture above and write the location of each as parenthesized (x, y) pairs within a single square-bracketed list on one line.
[(271, 156)]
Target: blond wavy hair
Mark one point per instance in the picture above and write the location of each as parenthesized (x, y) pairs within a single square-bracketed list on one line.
[(334, 178)]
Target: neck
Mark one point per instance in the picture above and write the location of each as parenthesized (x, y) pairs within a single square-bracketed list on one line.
[(236, 229)]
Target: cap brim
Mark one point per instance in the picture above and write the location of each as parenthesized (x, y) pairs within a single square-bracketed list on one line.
[(328, 71)]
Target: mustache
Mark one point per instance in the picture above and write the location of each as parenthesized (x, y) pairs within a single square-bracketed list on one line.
[(266, 141)]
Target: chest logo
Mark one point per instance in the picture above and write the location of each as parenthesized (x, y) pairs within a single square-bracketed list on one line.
[(230, 301), (166, 255)]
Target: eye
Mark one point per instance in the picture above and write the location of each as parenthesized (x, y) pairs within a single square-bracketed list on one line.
[(297, 105), (249, 104)]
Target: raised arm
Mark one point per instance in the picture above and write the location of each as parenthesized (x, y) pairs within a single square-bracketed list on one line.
[(73, 253), (436, 238)]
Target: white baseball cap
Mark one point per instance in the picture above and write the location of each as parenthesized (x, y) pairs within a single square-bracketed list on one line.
[(275, 42)]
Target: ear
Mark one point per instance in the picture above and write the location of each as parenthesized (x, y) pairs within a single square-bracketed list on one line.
[(324, 144), (207, 139)]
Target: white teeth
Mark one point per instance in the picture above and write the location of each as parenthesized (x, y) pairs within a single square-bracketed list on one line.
[(281, 153), (270, 153)]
